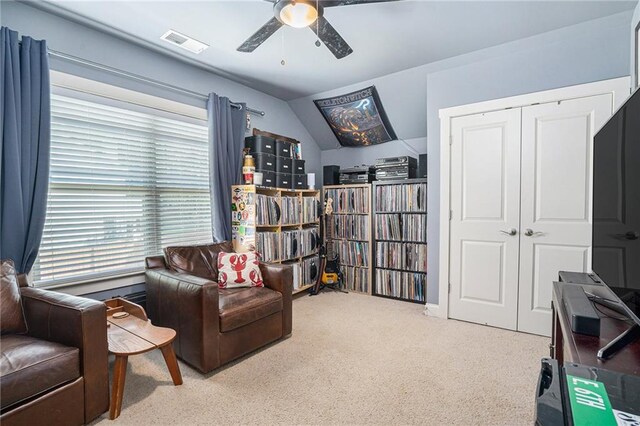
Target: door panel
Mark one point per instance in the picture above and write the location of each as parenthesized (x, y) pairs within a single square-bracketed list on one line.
[(548, 259), (557, 157), (483, 262), (560, 192), (485, 194)]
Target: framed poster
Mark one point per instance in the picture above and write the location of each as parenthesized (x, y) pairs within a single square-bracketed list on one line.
[(357, 118)]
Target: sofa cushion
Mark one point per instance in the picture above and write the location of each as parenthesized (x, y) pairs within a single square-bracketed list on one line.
[(239, 270), (11, 314), (242, 306), (30, 366), (201, 261)]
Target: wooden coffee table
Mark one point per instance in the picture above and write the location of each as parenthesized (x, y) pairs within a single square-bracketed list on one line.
[(132, 335)]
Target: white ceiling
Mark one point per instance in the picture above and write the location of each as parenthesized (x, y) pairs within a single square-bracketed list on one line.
[(385, 37)]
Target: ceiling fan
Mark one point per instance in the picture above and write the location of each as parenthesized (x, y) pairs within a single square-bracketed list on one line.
[(301, 14)]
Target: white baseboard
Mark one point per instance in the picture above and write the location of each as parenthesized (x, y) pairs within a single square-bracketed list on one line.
[(432, 310)]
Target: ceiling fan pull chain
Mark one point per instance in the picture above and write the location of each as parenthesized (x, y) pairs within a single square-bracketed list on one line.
[(282, 62), (318, 44)]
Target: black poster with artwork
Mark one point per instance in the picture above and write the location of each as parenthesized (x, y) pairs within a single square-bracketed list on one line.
[(357, 118)]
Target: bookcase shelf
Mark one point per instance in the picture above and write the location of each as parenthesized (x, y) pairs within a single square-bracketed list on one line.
[(351, 211), (400, 207), (251, 205)]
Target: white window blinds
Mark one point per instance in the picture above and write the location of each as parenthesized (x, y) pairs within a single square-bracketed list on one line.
[(124, 184)]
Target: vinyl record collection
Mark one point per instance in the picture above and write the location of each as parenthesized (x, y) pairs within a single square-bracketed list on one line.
[(388, 227), (309, 209), (401, 198), (297, 275), (299, 243), (310, 269), (414, 227), (267, 210), (354, 227), (356, 279), (352, 253), (309, 241), (401, 239), (349, 200), (290, 244), (267, 244), (401, 227), (405, 285), (290, 210), (407, 256)]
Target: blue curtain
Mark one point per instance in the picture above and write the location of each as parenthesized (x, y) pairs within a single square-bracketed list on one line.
[(25, 121), (226, 140)]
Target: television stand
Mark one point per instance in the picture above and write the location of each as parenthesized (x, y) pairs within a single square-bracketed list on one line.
[(629, 336), (567, 346)]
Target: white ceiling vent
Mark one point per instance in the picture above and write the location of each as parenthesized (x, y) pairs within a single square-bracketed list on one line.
[(184, 41)]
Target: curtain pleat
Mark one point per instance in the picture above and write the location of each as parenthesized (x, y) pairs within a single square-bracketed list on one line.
[(25, 117), (226, 137)]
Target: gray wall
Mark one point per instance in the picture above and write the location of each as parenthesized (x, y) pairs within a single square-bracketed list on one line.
[(591, 51), (73, 38)]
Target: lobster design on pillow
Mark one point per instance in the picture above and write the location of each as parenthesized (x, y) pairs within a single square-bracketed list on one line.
[(238, 263), (222, 278), (256, 279)]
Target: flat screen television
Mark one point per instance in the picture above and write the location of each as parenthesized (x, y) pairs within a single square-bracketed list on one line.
[(616, 205)]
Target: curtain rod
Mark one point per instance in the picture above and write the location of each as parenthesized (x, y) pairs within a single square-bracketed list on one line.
[(140, 78)]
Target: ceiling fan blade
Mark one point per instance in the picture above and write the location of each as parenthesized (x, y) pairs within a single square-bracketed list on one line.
[(332, 3), (260, 36), (330, 37)]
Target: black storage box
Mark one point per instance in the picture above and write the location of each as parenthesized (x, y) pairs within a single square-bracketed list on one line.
[(300, 182), (298, 167), (283, 180), (265, 162), (284, 165), (269, 179), (260, 144), (283, 149)]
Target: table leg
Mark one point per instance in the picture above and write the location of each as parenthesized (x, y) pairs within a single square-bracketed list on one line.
[(117, 386), (172, 363)]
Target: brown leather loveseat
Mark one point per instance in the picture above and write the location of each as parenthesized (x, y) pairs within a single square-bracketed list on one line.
[(215, 326), (55, 373)]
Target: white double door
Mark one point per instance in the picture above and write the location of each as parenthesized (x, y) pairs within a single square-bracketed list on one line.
[(521, 182)]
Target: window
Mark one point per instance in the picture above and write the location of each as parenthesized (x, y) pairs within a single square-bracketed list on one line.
[(125, 182)]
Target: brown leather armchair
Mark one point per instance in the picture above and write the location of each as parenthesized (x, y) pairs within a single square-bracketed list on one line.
[(56, 373), (215, 326)]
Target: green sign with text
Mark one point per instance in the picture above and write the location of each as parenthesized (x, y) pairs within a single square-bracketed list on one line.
[(589, 402)]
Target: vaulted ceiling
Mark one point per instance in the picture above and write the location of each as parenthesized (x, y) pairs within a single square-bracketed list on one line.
[(385, 37)]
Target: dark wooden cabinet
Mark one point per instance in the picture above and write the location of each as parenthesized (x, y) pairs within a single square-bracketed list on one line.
[(567, 346)]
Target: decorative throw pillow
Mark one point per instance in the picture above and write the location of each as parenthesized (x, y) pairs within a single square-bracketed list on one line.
[(239, 270), (11, 315)]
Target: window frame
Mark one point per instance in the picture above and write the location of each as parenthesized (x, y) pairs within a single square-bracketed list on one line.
[(86, 89)]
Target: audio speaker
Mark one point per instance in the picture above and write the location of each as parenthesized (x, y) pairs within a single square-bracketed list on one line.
[(422, 166), (331, 175)]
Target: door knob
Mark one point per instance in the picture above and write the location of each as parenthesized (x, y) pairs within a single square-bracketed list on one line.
[(632, 235), (530, 233), (511, 232)]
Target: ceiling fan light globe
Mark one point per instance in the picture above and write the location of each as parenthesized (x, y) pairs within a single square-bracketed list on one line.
[(297, 14)]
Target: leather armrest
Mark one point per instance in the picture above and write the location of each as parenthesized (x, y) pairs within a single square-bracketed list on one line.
[(279, 277), (155, 262), (189, 305), (78, 322)]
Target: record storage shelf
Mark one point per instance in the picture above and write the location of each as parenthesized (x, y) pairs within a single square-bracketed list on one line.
[(421, 273), (357, 215), (240, 244)]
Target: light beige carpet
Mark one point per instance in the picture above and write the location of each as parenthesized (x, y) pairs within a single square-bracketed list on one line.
[(352, 359)]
